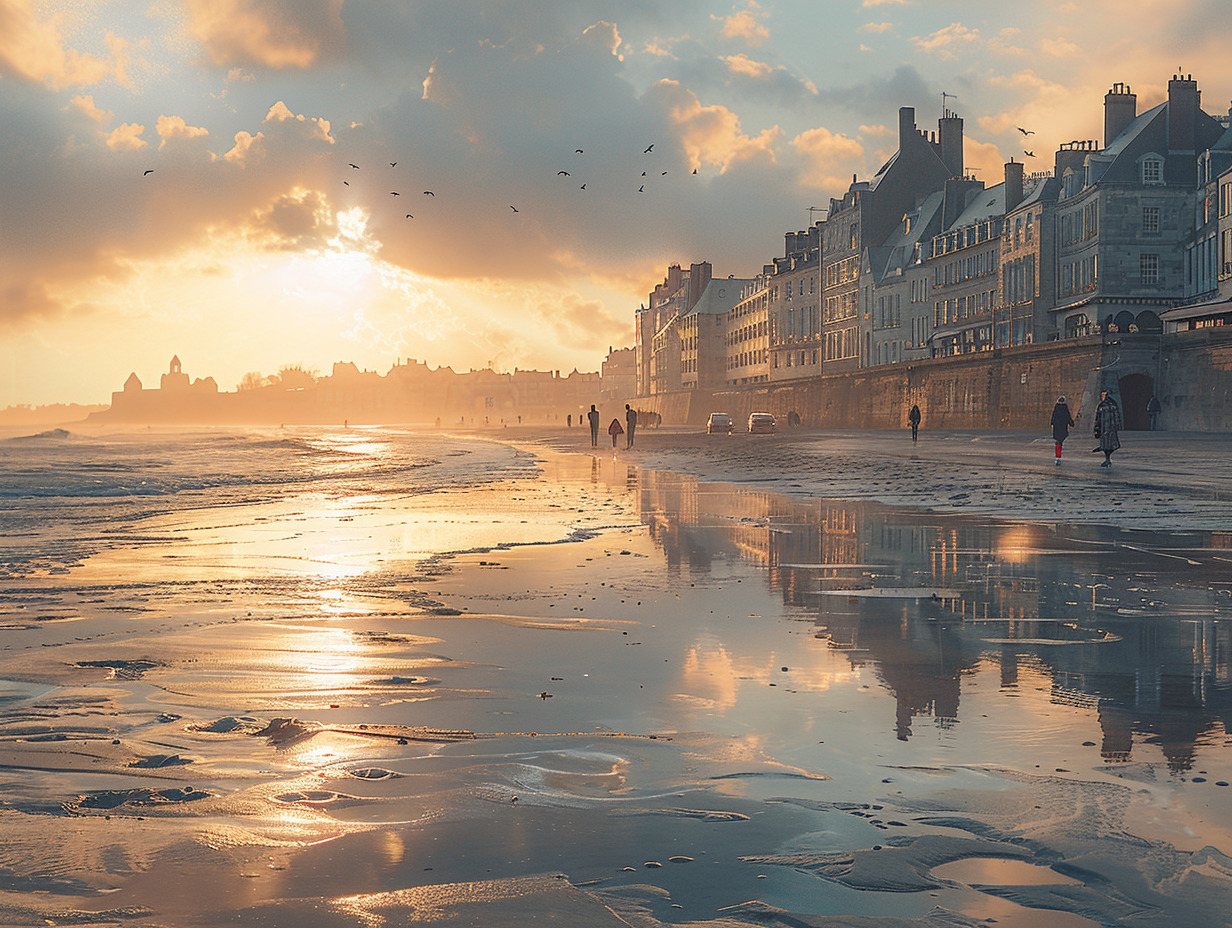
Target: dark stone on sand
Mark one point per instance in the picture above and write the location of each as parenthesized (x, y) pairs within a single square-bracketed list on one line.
[(161, 760)]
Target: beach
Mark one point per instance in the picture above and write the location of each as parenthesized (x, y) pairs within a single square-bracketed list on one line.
[(383, 676)]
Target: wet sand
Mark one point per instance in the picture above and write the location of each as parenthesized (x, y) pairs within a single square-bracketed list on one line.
[(1158, 479), (632, 699)]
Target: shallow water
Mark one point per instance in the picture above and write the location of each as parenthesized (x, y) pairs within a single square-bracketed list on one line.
[(243, 676)]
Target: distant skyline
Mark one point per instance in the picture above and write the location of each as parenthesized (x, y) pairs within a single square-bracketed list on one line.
[(177, 177)]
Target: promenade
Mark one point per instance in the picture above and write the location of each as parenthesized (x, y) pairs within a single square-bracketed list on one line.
[(1159, 480)]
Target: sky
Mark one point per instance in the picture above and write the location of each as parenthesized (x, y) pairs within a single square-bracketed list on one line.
[(245, 183)]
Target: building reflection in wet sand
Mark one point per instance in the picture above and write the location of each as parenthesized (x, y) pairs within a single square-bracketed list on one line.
[(1134, 625)]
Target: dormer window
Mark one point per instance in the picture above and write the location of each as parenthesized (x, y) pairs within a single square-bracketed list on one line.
[(1152, 171)]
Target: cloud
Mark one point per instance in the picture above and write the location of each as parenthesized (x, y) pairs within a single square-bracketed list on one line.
[(174, 127), (298, 220), (605, 36), (944, 41), (246, 146), (745, 24), (1059, 48), (33, 50), (710, 135), (828, 157), (868, 3), (85, 104), (127, 137), (268, 33), (877, 27), (746, 66), (311, 127)]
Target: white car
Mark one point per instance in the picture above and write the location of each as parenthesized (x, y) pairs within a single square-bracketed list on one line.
[(761, 423)]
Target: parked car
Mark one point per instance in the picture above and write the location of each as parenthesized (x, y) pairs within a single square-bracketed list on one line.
[(719, 422), (761, 423)]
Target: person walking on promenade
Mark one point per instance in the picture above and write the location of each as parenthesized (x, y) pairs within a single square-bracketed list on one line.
[(593, 416), (615, 430), (1062, 422), (630, 424), (1107, 426), (1153, 410), (914, 418)]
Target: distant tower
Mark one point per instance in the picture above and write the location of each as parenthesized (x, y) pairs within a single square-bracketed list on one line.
[(133, 384), (175, 378)]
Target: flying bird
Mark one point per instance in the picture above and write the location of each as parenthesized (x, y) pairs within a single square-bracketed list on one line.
[(1029, 154), (643, 173), (429, 193), (393, 164), (558, 173), (664, 174), (641, 189), (512, 207), (150, 171), (1025, 131), (648, 147), (583, 187), (695, 170), (355, 166), (394, 193), (346, 183), (409, 216), (579, 151)]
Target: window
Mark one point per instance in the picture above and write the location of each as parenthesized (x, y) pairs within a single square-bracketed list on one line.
[(1148, 266), (1152, 171), (1150, 220)]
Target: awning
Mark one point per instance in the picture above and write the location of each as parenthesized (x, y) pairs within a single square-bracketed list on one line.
[(1209, 308)]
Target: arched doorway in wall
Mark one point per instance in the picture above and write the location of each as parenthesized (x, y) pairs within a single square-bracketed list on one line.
[(1136, 391), (1149, 322)]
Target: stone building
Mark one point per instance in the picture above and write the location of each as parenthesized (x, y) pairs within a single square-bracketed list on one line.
[(793, 302), (1124, 218), (867, 215), (657, 333), (703, 334), (900, 320), (747, 340)]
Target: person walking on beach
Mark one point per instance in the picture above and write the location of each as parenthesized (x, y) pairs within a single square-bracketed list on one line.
[(1153, 410), (914, 418), (1062, 422), (615, 430), (593, 417), (630, 424), (1107, 426)]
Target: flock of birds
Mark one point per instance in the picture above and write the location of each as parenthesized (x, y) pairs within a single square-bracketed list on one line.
[(1025, 133), (648, 150)]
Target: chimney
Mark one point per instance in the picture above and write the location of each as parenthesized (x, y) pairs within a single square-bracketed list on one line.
[(906, 126), (1068, 158), (789, 243), (1183, 108), (950, 131), (1013, 184), (1120, 109)]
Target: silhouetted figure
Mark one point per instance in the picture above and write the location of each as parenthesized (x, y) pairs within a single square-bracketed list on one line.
[(1108, 424), (615, 430), (1153, 410), (630, 424), (569, 421), (914, 418), (1062, 422), (593, 418)]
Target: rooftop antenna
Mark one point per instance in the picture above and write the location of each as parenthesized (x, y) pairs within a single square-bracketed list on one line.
[(946, 96), (816, 209)]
